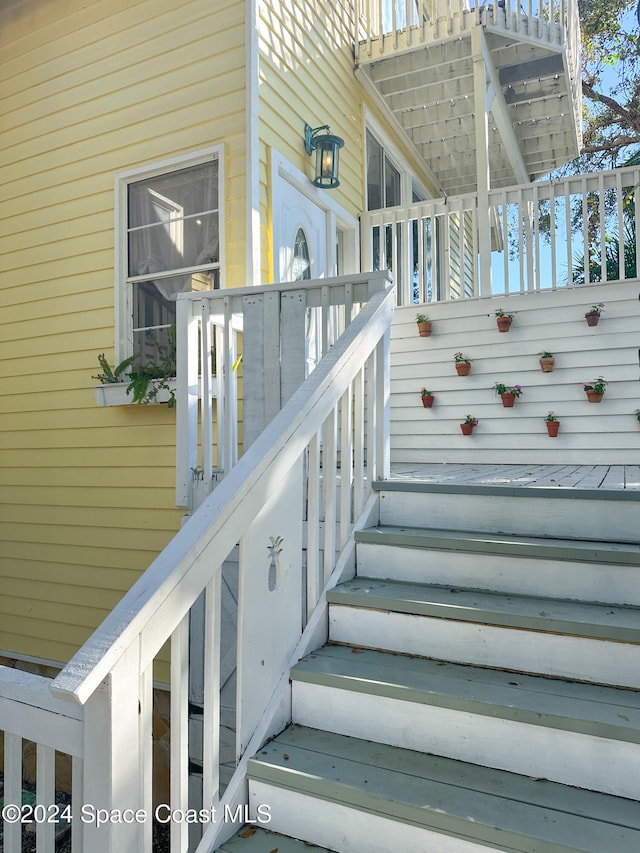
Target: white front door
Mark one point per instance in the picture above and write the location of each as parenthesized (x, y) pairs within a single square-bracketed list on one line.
[(301, 249), (306, 234)]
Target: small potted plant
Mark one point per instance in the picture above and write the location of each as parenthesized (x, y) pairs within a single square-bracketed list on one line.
[(427, 398), (553, 425), (595, 389), (468, 425), (503, 320), (547, 361), (593, 314), (637, 415), (508, 393), (424, 325), (462, 363)]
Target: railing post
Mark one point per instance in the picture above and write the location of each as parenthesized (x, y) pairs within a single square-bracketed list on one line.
[(482, 158), (113, 762), (186, 400)]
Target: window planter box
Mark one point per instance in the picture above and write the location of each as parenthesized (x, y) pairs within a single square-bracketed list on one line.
[(115, 394)]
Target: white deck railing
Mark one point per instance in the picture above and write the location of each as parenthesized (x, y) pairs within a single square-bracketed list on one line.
[(384, 27), (287, 329), (544, 236), (30, 714), (290, 503)]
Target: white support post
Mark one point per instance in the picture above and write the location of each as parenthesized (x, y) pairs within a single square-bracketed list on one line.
[(187, 401), (228, 447), (482, 159), (206, 397), (180, 732), (346, 471), (383, 410), (329, 468), (113, 758), (146, 752), (359, 445), (12, 788), (211, 712), (313, 523), (45, 795)]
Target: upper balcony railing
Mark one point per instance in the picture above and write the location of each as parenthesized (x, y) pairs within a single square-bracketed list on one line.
[(543, 236), (385, 27)]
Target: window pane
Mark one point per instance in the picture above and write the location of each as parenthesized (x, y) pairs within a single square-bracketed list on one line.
[(301, 261), (190, 191), (173, 244), (392, 184), (374, 173)]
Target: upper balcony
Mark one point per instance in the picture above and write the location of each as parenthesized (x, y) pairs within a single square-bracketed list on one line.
[(439, 65)]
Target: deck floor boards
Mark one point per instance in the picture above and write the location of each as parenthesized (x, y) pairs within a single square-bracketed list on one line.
[(605, 477)]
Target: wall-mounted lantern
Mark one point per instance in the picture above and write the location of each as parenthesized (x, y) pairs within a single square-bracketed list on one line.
[(327, 147)]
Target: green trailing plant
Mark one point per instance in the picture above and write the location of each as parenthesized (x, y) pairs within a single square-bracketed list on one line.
[(422, 318), (460, 358), (551, 418), (425, 393), (637, 415), (500, 312), (144, 381), (469, 419), (546, 354), (109, 375)]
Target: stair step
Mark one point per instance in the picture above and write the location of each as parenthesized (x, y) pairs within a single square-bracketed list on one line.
[(558, 568), (354, 795), (538, 547), (251, 839), (524, 633), (554, 512), (575, 733)]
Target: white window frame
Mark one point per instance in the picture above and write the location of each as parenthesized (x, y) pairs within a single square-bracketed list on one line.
[(409, 180), (123, 305)]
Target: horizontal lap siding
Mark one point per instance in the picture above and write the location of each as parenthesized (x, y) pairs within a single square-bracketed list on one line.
[(306, 76), (87, 90), (603, 433)]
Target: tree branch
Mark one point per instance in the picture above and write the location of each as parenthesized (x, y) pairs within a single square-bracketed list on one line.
[(611, 144), (633, 121)]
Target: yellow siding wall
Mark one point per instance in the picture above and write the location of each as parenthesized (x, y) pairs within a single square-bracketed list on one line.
[(89, 88), (307, 75)]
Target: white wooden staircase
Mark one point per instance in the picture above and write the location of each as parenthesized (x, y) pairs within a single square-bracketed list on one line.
[(479, 690)]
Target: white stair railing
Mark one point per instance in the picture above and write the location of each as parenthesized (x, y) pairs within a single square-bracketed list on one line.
[(30, 715), (290, 503), (546, 235)]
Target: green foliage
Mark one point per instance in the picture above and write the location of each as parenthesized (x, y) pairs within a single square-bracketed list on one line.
[(145, 381), (611, 82)]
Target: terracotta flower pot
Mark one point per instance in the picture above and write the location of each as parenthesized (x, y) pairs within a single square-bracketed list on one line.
[(463, 369), (424, 329), (504, 323), (427, 400), (508, 400), (592, 318), (467, 429), (594, 397), (547, 364), (552, 428)]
